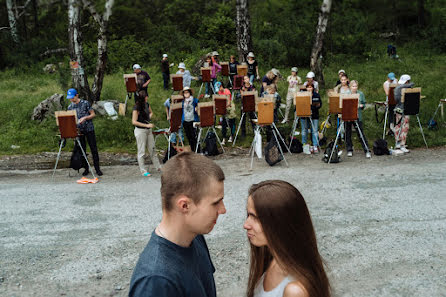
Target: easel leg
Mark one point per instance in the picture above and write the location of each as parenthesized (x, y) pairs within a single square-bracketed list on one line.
[(85, 156), (362, 136), (335, 143), (281, 138), (253, 144), (325, 124), (278, 144), (296, 120), (168, 146), (238, 129), (213, 129), (422, 132), (198, 139), (199, 92), (58, 156), (385, 122)]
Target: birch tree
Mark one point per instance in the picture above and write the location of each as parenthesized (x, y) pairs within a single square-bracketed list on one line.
[(12, 21), (243, 31), (316, 58)]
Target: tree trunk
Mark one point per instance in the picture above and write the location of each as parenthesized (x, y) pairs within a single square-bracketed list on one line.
[(12, 21), (244, 43), (316, 57), (421, 12), (79, 77), (35, 15)]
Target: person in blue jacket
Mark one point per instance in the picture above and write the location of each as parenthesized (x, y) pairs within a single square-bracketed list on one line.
[(190, 116)]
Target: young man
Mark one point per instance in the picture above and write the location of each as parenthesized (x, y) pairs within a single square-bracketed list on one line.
[(176, 261), (142, 80), (85, 114)]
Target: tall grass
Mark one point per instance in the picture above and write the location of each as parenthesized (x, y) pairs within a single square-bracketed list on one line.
[(20, 92)]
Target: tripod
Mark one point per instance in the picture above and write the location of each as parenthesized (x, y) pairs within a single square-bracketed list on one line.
[(339, 132), (296, 121)]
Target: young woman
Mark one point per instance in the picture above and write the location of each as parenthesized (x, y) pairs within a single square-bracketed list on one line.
[(247, 86), (232, 67), (230, 116), (271, 77), (215, 69), (310, 80), (348, 125), (316, 104), (141, 115), (285, 260), (343, 88), (190, 116), (293, 82), (253, 67)]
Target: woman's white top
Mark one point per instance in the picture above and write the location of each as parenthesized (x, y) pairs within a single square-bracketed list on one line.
[(276, 292)]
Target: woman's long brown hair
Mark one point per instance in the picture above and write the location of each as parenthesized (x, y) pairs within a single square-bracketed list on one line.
[(287, 225)]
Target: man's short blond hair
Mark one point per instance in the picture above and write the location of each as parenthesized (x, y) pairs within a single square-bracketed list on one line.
[(188, 174)]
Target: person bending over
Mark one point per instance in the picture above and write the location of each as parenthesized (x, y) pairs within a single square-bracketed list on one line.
[(285, 260), (141, 116), (176, 260)]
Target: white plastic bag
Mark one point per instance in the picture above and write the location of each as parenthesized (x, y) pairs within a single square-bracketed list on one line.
[(258, 144), (108, 106)]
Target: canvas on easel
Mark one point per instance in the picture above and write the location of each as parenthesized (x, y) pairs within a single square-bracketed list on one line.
[(176, 114), (303, 101), (221, 103), (349, 104), (206, 111), (249, 101), (130, 82), (177, 82), (410, 97), (302, 88), (177, 99), (67, 122), (224, 68), (265, 113), (334, 103), (391, 97), (265, 98), (242, 70), (205, 74), (238, 82)]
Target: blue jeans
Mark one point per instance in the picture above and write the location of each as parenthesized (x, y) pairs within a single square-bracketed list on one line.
[(173, 138), (305, 123), (166, 80), (251, 78)]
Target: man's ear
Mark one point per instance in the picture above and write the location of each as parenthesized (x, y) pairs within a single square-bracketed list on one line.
[(183, 203)]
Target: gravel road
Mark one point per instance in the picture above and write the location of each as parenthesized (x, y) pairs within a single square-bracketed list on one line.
[(380, 223)]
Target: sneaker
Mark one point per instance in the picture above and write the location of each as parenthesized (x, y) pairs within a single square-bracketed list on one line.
[(230, 139), (99, 172), (350, 154), (86, 172), (207, 96), (368, 155), (223, 142), (146, 174), (315, 150), (284, 121), (404, 149), (397, 152)]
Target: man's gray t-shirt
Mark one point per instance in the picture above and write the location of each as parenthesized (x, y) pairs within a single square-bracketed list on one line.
[(167, 269)]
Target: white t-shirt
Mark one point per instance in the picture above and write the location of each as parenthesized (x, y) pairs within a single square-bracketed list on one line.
[(386, 84), (259, 291)]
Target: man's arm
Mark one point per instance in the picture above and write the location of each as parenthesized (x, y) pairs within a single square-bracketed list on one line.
[(89, 117), (154, 286)]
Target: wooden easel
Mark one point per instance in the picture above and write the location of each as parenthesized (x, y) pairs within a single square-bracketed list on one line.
[(131, 87)]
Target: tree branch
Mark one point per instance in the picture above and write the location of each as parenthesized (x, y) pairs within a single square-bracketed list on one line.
[(90, 7)]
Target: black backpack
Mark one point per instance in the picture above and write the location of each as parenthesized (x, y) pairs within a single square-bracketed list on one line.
[(77, 161), (296, 146), (211, 144), (335, 158), (173, 152), (380, 147), (272, 153)]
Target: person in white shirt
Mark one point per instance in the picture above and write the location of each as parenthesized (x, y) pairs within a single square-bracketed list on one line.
[(293, 82)]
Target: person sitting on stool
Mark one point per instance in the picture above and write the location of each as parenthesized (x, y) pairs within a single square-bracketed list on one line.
[(85, 114)]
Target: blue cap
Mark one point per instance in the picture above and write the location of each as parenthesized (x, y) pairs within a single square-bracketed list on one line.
[(217, 85), (391, 75), (71, 93)]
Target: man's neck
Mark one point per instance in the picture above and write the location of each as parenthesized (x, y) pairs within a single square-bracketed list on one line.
[(174, 231)]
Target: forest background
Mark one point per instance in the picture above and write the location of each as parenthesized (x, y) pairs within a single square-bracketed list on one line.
[(282, 33)]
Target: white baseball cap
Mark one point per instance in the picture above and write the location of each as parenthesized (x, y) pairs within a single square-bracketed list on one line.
[(164, 55), (215, 53), (251, 55), (310, 74), (136, 66), (294, 69), (403, 79), (342, 70), (182, 66)]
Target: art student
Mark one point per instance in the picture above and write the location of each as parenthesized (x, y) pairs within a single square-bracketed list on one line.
[(293, 82), (285, 260), (316, 104), (401, 120), (176, 260), (253, 68), (247, 87), (142, 80), (190, 116)]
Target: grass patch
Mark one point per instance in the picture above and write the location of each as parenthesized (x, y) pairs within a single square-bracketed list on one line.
[(21, 92)]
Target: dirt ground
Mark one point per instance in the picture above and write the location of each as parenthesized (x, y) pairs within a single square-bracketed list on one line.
[(380, 223)]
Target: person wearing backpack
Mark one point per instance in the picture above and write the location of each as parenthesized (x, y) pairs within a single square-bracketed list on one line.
[(348, 125), (85, 114)]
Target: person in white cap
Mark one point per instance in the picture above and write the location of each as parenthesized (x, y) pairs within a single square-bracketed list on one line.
[(310, 80), (340, 74), (253, 68), (401, 122), (166, 71), (142, 80), (187, 77), (293, 82)]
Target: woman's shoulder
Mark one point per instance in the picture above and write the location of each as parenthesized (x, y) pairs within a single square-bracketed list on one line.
[(295, 289)]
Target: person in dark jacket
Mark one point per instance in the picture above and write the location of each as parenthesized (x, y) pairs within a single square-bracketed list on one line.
[(166, 71), (306, 123)]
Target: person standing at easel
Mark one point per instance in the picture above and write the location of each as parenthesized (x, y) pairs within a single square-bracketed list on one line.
[(85, 114), (142, 81), (166, 71)]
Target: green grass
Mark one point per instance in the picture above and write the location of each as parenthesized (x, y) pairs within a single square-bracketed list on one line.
[(21, 92)]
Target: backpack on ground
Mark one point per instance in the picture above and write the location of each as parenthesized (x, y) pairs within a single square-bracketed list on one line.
[(380, 147), (272, 153), (335, 158), (211, 144), (77, 161), (296, 146), (173, 152)]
